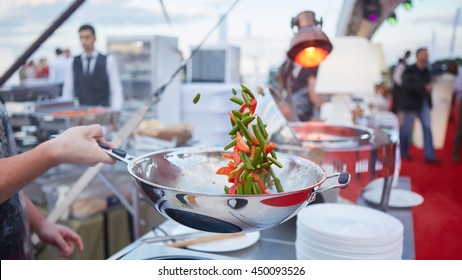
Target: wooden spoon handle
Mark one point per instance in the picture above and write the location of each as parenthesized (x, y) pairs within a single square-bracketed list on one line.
[(204, 239)]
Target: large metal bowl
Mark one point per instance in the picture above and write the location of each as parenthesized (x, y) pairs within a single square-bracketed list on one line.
[(182, 185)]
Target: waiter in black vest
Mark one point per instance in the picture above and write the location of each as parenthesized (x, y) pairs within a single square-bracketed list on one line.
[(94, 78)]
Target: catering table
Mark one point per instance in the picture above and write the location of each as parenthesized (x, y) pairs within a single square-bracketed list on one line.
[(274, 243)]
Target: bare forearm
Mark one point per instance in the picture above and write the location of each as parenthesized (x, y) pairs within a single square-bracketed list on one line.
[(77, 145), (18, 171), (36, 218)]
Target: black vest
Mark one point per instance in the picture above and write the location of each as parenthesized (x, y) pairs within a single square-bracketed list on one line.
[(91, 89)]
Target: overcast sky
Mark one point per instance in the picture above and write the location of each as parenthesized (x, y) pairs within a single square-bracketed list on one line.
[(261, 28)]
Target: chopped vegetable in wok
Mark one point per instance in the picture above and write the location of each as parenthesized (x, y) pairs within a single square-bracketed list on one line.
[(250, 165)]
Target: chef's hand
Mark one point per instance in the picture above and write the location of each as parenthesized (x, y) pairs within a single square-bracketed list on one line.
[(79, 145), (61, 237)]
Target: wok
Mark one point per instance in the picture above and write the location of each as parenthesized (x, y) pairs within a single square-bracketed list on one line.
[(182, 185)]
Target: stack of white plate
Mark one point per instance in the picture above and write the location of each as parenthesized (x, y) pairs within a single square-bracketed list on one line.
[(335, 231)]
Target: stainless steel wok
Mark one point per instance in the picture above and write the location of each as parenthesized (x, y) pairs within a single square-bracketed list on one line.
[(182, 185)]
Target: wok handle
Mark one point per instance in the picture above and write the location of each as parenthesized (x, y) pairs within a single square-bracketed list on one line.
[(343, 179), (118, 154)]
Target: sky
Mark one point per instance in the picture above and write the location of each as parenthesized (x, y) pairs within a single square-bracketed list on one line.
[(261, 28)]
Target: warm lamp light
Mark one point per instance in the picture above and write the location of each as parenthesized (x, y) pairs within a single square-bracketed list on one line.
[(309, 46), (310, 57)]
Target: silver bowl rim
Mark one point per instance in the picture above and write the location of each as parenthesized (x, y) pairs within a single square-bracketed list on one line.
[(134, 161)]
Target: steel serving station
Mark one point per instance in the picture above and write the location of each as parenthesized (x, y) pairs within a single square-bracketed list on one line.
[(369, 153)]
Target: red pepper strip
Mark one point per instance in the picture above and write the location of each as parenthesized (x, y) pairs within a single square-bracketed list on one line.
[(252, 152), (232, 190), (226, 155), (225, 170), (254, 106), (270, 148), (236, 157), (240, 144), (243, 107), (236, 172), (257, 179), (232, 117)]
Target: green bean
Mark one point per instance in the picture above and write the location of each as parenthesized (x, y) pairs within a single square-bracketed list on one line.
[(259, 136), (262, 128), (247, 120), (234, 130), (273, 154), (226, 189), (246, 161), (256, 188), (196, 98), (234, 91), (237, 100), (243, 175), (247, 90), (276, 180), (257, 156), (248, 184), (240, 189), (230, 144), (277, 163), (246, 98), (237, 114), (244, 130)]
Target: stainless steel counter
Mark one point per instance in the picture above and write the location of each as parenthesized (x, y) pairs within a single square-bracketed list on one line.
[(276, 243)]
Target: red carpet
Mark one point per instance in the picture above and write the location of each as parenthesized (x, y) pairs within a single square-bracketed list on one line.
[(438, 221)]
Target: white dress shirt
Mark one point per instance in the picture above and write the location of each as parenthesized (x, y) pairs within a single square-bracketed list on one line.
[(115, 85), (398, 73), (58, 68)]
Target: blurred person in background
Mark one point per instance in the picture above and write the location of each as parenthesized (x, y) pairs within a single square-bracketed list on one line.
[(415, 101), (30, 70), (43, 69), (93, 78), (297, 85), (18, 215), (398, 80), (58, 68)]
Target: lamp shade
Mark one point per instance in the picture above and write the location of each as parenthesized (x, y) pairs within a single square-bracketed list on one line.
[(351, 68), (309, 46)]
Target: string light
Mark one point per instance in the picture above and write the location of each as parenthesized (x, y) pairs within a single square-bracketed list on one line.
[(407, 5), (372, 10), (392, 19)]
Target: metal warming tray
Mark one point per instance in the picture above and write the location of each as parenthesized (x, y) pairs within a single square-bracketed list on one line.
[(367, 153)]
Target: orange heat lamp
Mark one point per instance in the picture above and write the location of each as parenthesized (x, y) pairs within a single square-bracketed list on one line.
[(310, 57), (309, 46)]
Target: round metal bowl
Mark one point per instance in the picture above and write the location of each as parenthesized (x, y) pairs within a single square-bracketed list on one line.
[(182, 185), (323, 135)]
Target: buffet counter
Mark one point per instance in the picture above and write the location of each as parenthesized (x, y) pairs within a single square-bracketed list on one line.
[(274, 243)]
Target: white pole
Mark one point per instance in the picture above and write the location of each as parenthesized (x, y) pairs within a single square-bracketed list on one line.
[(454, 30)]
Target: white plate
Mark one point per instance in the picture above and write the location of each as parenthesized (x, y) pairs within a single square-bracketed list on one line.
[(398, 197), (376, 184), (224, 245), (350, 222)]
